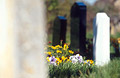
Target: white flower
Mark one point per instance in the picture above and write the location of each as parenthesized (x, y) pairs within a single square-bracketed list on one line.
[(73, 59), (79, 58), (53, 60)]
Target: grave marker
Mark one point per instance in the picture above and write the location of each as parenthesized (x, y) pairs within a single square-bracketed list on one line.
[(117, 50), (59, 30), (101, 40), (78, 27)]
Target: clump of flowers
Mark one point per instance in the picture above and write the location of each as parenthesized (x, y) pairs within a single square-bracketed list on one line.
[(61, 54)]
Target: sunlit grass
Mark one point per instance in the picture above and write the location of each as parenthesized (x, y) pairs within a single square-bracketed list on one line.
[(111, 70), (68, 70)]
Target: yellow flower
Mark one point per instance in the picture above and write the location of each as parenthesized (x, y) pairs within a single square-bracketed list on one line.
[(64, 58), (88, 60), (70, 51), (58, 46), (49, 53), (53, 47), (48, 59), (118, 40), (58, 51), (65, 47), (68, 59), (91, 61), (58, 60)]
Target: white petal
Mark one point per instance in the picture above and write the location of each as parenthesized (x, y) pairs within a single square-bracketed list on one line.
[(77, 55)]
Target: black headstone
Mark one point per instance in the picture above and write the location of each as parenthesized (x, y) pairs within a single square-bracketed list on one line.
[(117, 50), (59, 30), (78, 27)]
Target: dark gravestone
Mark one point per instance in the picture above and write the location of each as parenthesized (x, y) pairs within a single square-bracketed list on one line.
[(117, 50), (78, 27), (59, 30)]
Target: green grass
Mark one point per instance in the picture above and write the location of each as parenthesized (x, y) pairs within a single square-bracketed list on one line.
[(111, 70), (49, 38), (67, 70), (89, 35), (116, 36)]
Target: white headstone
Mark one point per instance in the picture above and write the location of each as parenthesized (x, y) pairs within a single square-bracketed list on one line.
[(22, 39), (101, 40)]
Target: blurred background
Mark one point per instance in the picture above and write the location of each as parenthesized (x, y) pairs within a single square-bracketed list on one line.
[(62, 7)]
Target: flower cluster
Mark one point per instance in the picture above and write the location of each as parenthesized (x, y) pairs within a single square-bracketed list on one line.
[(61, 54), (59, 51), (73, 59), (56, 61)]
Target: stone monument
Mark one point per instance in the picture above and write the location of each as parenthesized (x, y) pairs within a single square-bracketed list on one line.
[(101, 40), (59, 30), (78, 27)]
